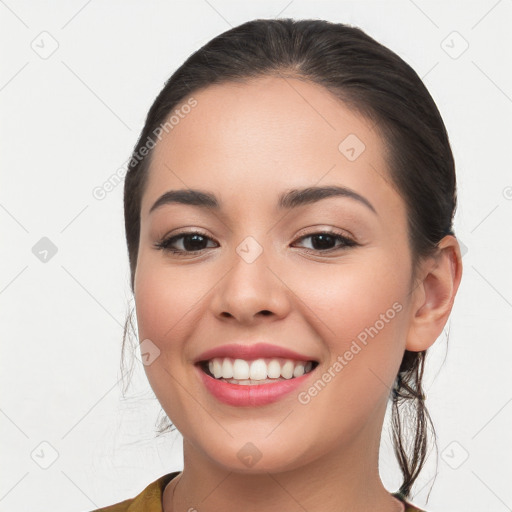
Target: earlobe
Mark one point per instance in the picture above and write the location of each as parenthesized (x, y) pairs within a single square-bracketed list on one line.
[(434, 296)]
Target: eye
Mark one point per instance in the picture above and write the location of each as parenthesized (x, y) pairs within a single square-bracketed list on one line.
[(194, 242), (323, 241), (191, 242)]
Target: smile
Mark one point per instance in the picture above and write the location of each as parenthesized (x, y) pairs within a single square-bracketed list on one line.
[(252, 375), (256, 372)]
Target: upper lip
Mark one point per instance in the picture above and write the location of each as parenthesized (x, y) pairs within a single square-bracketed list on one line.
[(250, 352)]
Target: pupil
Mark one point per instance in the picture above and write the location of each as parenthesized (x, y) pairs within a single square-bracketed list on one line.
[(323, 245), (193, 239)]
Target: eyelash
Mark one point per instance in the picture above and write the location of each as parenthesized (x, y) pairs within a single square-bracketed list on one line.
[(165, 243)]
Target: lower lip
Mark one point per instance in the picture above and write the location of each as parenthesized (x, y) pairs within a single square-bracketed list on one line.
[(250, 395)]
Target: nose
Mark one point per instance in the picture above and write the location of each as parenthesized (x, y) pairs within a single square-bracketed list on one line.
[(251, 292)]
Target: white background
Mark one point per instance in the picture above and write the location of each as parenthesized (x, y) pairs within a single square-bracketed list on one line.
[(70, 120)]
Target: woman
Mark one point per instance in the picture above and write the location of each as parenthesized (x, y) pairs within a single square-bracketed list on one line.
[(288, 214)]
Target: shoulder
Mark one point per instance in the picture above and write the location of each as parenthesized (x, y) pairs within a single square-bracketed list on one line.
[(122, 506), (149, 500)]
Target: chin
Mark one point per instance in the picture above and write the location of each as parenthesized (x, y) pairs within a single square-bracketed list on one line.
[(258, 456)]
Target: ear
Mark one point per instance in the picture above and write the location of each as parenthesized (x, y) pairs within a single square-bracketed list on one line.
[(435, 289)]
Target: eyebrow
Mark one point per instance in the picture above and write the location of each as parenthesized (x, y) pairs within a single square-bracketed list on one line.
[(290, 199)]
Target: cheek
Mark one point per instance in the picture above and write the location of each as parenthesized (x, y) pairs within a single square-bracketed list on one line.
[(347, 299), (167, 305), (360, 311), (164, 299)]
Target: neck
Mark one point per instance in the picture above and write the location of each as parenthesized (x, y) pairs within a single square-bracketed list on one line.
[(346, 479)]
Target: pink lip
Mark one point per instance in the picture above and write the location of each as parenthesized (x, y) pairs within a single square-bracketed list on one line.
[(259, 394), (251, 352)]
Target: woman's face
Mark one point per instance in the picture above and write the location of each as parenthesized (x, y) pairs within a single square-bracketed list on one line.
[(261, 273)]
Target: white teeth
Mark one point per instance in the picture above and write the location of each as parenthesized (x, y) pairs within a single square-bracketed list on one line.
[(246, 372), (274, 369), (227, 369), (258, 370), (217, 368), (287, 370), (240, 370), (298, 370)]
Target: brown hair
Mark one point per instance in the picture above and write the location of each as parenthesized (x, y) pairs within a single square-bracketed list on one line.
[(377, 83)]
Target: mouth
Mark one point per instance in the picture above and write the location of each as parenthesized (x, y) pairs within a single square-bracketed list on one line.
[(255, 372)]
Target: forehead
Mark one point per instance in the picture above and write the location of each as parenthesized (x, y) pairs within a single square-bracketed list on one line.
[(269, 134)]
